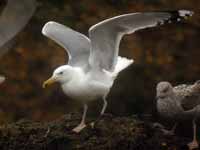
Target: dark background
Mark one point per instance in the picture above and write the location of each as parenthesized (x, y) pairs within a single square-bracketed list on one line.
[(170, 52)]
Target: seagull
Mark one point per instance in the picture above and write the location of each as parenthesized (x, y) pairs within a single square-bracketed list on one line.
[(93, 62), (180, 103), (13, 19)]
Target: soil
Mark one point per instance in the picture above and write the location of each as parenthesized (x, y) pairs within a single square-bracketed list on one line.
[(109, 133)]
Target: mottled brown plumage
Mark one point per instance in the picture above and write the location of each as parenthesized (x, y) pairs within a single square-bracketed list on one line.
[(189, 95)]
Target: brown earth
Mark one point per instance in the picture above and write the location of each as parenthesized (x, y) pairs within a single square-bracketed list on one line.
[(110, 133)]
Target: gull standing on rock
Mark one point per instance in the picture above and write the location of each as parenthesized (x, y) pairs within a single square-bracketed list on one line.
[(93, 62), (180, 103)]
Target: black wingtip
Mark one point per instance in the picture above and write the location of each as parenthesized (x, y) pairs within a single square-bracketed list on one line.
[(177, 16), (185, 13), (180, 15)]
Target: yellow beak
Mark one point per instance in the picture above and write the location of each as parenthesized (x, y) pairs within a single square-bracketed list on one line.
[(48, 82)]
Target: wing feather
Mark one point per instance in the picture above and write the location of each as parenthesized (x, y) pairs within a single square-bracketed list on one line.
[(76, 44), (189, 95), (106, 36), (14, 17)]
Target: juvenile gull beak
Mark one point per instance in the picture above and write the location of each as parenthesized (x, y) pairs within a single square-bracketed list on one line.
[(48, 82)]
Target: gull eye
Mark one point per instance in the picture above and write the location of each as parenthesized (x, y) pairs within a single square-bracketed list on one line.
[(60, 73), (165, 90)]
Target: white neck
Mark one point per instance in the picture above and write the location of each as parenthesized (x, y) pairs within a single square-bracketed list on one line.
[(76, 74)]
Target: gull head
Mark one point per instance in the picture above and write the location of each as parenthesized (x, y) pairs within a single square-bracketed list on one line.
[(62, 75), (163, 89)]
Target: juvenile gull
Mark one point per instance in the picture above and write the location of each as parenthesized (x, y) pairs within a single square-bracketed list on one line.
[(93, 62), (180, 103)]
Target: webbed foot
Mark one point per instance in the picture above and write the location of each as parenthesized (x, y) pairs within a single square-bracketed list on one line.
[(79, 128), (193, 145)]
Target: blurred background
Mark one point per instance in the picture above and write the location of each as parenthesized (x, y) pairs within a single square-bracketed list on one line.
[(170, 52)]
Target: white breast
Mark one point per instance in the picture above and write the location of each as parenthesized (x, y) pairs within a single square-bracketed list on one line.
[(84, 88)]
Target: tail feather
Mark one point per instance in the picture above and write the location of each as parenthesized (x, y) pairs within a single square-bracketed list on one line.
[(122, 63)]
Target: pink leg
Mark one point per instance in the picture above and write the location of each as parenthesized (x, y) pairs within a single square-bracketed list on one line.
[(194, 144), (105, 103), (82, 125)]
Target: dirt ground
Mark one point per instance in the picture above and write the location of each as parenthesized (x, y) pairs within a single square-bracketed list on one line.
[(110, 133)]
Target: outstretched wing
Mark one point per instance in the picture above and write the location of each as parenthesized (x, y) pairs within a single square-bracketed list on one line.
[(14, 17), (189, 95), (105, 36), (76, 44)]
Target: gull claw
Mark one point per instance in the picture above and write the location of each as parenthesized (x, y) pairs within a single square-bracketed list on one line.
[(168, 132), (92, 124), (158, 125), (193, 145), (162, 128), (79, 128)]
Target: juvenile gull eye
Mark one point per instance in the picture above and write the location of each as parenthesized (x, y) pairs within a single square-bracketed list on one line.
[(165, 90)]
